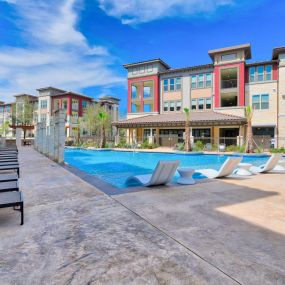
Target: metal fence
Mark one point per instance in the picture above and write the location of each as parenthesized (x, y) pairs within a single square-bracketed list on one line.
[(261, 143)]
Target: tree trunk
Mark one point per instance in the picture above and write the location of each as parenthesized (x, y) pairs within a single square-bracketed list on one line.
[(187, 136), (249, 145), (25, 133), (103, 137)]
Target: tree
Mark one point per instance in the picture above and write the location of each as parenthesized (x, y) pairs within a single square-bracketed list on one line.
[(249, 137), (4, 128), (104, 123), (23, 115), (187, 130), (89, 119)]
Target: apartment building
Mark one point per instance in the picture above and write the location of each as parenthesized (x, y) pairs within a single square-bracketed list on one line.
[(216, 93), (51, 99), (6, 117)]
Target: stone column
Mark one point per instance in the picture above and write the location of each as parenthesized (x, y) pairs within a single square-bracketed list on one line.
[(18, 137), (51, 151), (61, 136)]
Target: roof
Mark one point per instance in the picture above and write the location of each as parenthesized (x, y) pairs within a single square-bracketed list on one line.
[(261, 62), (179, 119), (277, 51), (109, 98), (26, 95), (245, 47), (50, 87), (71, 93), (155, 60), (189, 68)]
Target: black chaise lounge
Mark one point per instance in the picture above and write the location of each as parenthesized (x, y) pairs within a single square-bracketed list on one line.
[(13, 199), (5, 160), (11, 167), (5, 177), (8, 163), (9, 186)]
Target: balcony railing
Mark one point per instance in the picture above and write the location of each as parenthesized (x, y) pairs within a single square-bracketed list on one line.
[(232, 83)]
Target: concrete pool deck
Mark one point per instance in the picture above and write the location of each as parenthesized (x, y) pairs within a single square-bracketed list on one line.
[(223, 232)]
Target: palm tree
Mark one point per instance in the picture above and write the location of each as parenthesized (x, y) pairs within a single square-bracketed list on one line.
[(187, 130), (4, 129), (249, 137), (104, 123)]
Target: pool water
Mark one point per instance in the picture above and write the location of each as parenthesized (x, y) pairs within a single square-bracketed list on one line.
[(115, 167)]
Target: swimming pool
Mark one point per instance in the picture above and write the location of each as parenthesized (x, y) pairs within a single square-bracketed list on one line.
[(115, 167)]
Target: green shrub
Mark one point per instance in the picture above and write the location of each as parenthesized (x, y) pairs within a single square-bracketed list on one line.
[(277, 150), (198, 146), (180, 146), (235, 148)]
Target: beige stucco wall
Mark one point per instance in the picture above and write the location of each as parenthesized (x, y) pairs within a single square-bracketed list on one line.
[(201, 93), (281, 90), (169, 96), (237, 111), (218, 57), (263, 117)]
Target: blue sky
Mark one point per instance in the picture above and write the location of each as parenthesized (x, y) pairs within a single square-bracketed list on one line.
[(80, 45)]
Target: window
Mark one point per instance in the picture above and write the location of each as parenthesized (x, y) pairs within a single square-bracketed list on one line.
[(178, 83), (74, 104), (43, 117), (135, 108), (171, 86), (1, 109), (264, 101), (260, 73), (146, 91), (268, 72), (43, 104), (260, 101), (171, 106), (251, 74), (84, 104), (141, 69), (201, 81), (147, 107), (194, 81), (208, 103), (165, 85), (135, 70), (8, 108), (194, 104), (263, 73), (230, 56), (201, 104), (64, 104), (208, 80), (165, 106), (150, 68), (134, 92), (178, 105)]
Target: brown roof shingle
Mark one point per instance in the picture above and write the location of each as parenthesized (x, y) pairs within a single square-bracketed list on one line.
[(178, 119)]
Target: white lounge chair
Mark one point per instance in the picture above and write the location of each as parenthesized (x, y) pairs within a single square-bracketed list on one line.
[(226, 169), (162, 174), (270, 166)]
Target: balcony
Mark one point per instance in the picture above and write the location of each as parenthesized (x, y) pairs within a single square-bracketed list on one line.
[(230, 83)]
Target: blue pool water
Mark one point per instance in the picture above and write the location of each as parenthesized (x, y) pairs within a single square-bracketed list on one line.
[(115, 167)]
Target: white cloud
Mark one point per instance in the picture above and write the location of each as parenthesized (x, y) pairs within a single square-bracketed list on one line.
[(57, 55), (141, 11)]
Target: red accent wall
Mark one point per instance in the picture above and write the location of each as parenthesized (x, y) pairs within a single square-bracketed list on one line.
[(140, 80), (69, 98), (275, 72), (217, 70)]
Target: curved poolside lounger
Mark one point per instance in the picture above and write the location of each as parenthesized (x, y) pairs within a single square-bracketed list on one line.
[(162, 174), (270, 166), (226, 169)]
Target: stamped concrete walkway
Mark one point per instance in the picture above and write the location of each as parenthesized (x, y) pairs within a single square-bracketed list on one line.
[(212, 233)]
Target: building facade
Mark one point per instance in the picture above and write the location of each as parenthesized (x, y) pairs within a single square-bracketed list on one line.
[(50, 99), (216, 94)]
